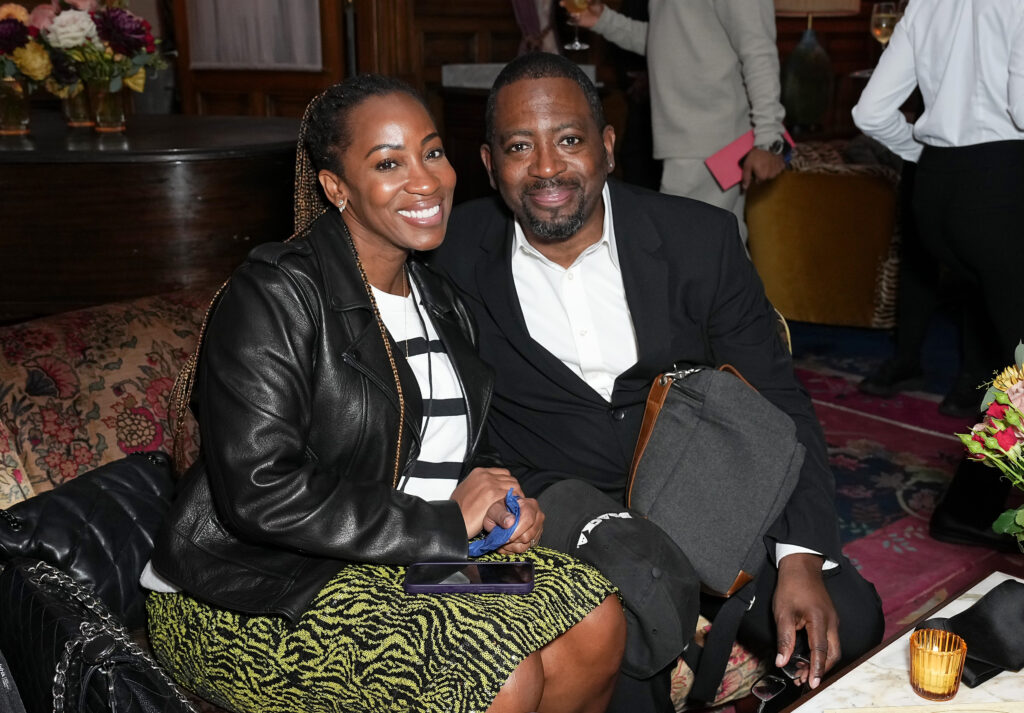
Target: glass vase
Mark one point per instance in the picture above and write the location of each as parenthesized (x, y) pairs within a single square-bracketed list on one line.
[(14, 107), (76, 109), (107, 108)]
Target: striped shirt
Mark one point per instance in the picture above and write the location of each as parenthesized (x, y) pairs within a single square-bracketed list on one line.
[(444, 433)]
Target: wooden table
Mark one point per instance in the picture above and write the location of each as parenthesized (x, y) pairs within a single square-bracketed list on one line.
[(174, 202), (882, 678)]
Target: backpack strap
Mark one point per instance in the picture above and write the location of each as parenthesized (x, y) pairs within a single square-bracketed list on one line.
[(708, 663)]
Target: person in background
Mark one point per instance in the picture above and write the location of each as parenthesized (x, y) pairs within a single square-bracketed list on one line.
[(713, 69), (341, 404), (967, 58), (584, 290)]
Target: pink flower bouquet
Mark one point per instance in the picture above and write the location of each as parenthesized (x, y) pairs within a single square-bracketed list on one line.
[(998, 441)]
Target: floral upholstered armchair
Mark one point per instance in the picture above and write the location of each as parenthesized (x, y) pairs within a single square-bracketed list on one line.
[(84, 388)]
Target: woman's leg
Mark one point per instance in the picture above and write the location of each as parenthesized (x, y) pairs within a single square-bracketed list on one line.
[(575, 673), (581, 665)]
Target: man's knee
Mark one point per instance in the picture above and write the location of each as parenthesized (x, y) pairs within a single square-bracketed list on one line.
[(861, 622)]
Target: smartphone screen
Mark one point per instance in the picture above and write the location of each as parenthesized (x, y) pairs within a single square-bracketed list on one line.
[(469, 577)]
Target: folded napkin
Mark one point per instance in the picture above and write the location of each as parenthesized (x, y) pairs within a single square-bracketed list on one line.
[(499, 535), (993, 628)]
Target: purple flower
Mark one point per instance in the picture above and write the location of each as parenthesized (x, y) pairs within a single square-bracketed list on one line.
[(13, 34), (122, 30)]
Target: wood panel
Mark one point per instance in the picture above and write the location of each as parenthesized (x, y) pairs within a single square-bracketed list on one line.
[(259, 92)]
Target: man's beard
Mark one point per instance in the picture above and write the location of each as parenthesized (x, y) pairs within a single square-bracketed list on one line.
[(556, 230)]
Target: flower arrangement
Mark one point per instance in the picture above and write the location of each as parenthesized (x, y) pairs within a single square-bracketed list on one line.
[(105, 45), (22, 55), (998, 441)]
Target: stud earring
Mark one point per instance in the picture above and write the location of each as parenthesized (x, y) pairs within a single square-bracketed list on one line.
[(341, 205)]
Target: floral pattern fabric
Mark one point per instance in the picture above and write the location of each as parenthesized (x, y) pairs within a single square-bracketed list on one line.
[(84, 388)]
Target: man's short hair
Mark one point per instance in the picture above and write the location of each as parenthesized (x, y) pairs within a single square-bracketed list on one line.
[(542, 65)]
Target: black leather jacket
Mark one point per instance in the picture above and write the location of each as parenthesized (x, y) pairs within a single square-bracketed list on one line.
[(298, 417)]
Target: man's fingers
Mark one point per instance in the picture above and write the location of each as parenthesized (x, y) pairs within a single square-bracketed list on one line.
[(818, 640), (785, 639)]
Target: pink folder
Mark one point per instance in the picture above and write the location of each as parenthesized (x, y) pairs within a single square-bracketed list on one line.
[(725, 164)]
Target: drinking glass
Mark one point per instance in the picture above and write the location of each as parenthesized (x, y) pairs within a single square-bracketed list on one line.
[(576, 6), (883, 20)]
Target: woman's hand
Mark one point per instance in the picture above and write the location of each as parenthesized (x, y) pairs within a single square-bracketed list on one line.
[(481, 497), (531, 525)]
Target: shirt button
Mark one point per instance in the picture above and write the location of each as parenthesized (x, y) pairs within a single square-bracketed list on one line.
[(618, 414), (583, 332), (655, 572), (569, 275)]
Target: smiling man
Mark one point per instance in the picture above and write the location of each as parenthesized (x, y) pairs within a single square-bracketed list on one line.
[(584, 290)]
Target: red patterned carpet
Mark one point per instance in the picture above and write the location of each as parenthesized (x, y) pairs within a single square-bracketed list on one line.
[(892, 459)]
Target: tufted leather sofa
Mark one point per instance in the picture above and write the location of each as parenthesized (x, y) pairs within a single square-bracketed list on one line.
[(84, 388)]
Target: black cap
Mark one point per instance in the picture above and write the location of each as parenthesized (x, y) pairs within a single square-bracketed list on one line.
[(658, 585)]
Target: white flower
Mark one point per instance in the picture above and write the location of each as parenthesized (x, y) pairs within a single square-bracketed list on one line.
[(72, 28)]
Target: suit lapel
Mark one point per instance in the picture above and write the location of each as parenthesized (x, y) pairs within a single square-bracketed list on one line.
[(645, 280), (497, 291)]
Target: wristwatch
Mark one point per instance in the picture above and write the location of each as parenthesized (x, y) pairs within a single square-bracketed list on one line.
[(775, 147)]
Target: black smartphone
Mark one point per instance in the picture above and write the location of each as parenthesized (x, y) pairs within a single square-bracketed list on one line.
[(469, 577)]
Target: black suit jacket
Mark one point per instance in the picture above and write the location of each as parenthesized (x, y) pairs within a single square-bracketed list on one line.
[(694, 297)]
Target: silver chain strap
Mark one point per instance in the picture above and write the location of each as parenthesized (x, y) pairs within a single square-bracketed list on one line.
[(91, 633)]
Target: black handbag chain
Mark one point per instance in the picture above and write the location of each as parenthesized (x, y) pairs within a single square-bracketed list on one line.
[(97, 640)]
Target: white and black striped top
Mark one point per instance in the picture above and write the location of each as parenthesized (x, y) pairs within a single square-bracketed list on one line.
[(444, 434)]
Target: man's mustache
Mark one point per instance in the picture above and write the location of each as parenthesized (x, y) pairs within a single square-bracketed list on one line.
[(549, 183)]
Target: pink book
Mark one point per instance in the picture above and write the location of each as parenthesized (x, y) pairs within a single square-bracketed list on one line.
[(725, 164)]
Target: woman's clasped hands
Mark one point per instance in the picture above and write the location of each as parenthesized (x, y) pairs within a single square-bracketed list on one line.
[(481, 497)]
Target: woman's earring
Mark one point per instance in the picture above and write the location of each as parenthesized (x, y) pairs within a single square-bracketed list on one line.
[(341, 205)]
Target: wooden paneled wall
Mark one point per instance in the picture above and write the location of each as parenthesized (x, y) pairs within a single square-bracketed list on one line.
[(414, 38)]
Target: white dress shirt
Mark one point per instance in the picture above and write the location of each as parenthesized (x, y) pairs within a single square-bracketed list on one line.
[(578, 313), (560, 305), (967, 56)]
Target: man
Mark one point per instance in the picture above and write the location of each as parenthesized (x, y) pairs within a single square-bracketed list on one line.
[(714, 76), (584, 290), (968, 144)]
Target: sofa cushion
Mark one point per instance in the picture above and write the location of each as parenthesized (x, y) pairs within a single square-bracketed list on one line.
[(14, 484), (84, 388)]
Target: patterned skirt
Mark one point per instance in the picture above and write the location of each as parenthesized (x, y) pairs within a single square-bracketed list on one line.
[(365, 645)]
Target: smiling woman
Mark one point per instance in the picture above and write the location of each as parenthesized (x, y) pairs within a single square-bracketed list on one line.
[(341, 404)]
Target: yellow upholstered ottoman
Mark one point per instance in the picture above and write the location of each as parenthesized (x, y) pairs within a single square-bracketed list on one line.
[(824, 238)]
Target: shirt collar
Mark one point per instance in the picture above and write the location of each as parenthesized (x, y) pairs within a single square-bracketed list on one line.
[(521, 246)]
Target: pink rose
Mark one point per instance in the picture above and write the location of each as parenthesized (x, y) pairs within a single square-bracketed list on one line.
[(1016, 395), (42, 16)]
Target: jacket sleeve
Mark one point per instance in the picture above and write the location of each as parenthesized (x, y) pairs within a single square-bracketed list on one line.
[(255, 398), (750, 25), (742, 331), (624, 31)]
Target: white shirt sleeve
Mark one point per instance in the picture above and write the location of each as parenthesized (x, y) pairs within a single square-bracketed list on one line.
[(782, 550), (1015, 91), (877, 113)]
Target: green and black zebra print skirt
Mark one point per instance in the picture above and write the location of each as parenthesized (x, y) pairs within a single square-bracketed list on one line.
[(365, 645)]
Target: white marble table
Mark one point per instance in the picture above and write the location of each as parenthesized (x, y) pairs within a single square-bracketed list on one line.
[(884, 678)]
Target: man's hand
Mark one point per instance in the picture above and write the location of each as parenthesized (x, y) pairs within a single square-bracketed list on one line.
[(802, 602), (586, 19), (760, 165)]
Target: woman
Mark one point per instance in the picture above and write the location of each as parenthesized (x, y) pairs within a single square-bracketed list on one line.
[(279, 576)]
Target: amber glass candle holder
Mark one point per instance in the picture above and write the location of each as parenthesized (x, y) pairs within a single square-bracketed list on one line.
[(936, 662)]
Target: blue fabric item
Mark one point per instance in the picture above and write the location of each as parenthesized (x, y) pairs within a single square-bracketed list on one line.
[(499, 535)]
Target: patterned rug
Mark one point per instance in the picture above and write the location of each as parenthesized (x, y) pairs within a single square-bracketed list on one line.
[(892, 459)]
